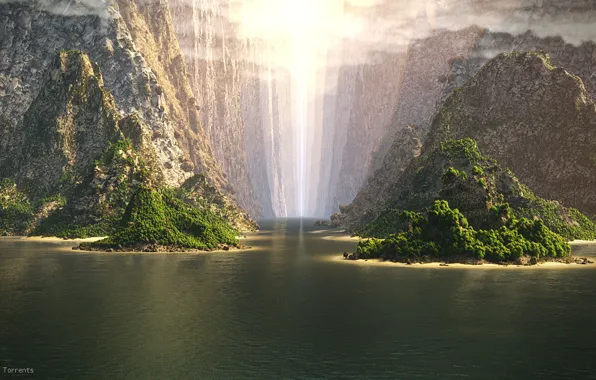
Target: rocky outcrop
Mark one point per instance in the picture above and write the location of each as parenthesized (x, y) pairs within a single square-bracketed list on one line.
[(488, 194), (425, 73), (65, 128), (371, 199), (533, 117), (91, 139), (516, 106), (217, 75), (143, 68)]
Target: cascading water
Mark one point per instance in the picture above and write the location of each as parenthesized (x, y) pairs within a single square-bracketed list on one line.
[(297, 97)]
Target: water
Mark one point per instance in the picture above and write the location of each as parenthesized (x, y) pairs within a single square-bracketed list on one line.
[(286, 311)]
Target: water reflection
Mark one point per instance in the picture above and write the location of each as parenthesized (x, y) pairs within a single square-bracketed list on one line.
[(285, 310)]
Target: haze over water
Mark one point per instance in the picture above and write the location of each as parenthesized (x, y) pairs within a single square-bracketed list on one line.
[(287, 310)]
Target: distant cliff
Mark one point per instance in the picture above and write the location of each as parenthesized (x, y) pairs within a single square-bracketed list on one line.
[(59, 114), (218, 78), (534, 118)]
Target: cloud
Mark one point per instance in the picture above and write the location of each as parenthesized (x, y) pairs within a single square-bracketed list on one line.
[(99, 8)]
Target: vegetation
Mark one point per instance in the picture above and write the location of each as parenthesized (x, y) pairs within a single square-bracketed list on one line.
[(156, 217), (478, 187), (456, 204), (121, 200), (445, 234), (96, 205), (16, 212)]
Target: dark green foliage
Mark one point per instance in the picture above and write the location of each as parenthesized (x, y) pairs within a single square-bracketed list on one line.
[(569, 223), (390, 221), (444, 233), (158, 217), (16, 213), (466, 149), (485, 193)]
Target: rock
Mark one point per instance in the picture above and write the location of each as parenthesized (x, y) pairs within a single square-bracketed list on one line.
[(133, 73), (4, 233), (444, 265), (533, 260), (528, 97), (346, 254), (226, 248)]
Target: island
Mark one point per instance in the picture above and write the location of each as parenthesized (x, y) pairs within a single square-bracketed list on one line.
[(455, 205)]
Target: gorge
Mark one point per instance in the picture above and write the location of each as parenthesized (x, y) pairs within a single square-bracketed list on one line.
[(180, 178)]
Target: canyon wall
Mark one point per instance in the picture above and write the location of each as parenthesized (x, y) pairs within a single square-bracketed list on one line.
[(134, 45)]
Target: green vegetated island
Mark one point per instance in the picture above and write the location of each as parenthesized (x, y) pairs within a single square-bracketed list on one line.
[(451, 201), (97, 177), (458, 206)]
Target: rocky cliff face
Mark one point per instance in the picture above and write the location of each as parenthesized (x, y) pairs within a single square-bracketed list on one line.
[(33, 35), (59, 113), (217, 78), (425, 73), (439, 65), (517, 105), (369, 113), (537, 119), (65, 128)]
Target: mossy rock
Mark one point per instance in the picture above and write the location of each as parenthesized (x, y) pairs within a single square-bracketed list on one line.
[(486, 193), (444, 234), (156, 219)]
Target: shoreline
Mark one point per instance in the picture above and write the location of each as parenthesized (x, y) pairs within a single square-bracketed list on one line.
[(442, 264), (74, 246)]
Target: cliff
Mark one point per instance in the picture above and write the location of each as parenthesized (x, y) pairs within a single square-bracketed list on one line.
[(143, 69), (517, 105), (447, 60), (479, 187), (536, 119), (217, 76), (61, 119), (364, 105)]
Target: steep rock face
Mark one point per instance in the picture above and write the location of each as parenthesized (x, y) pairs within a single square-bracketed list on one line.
[(338, 112), (151, 29), (142, 65), (482, 190), (577, 59), (433, 73), (217, 78), (427, 67), (65, 128), (371, 199), (370, 111), (537, 119)]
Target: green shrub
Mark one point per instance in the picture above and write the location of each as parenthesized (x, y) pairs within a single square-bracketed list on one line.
[(445, 233), (157, 216)]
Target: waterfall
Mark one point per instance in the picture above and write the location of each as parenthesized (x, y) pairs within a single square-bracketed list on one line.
[(293, 123)]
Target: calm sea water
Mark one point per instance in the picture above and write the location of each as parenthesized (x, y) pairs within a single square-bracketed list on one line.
[(284, 310)]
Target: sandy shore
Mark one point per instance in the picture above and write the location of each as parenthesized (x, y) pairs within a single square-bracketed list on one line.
[(379, 263), (69, 244), (336, 235), (49, 239), (582, 242)]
